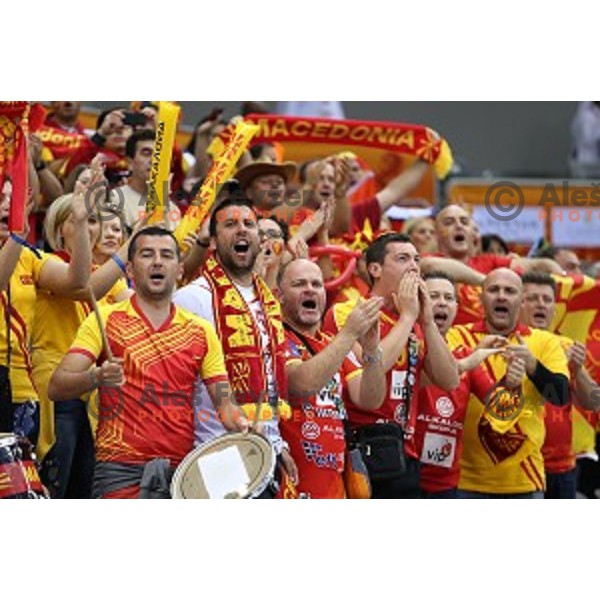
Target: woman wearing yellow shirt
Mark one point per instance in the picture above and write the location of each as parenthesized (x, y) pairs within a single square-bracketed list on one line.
[(66, 443), (23, 272)]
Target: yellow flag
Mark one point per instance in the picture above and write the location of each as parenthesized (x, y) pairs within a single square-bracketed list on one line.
[(220, 172), (158, 186)]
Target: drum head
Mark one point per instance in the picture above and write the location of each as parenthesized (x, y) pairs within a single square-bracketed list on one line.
[(236, 465), (8, 440)]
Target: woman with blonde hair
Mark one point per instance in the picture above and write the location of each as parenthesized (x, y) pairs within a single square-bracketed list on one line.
[(421, 232), (66, 444)]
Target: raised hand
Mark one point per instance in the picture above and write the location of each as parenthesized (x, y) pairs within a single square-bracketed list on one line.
[(576, 356), (521, 351), (515, 372), (110, 373), (362, 318), (87, 195), (370, 340), (426, 312), (492, 341), (406, 299)]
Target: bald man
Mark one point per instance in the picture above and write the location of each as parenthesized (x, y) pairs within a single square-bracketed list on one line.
[(323, 374), (502, 455), (454, 230)]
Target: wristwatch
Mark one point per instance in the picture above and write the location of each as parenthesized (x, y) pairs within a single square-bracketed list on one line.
[(377, 357)]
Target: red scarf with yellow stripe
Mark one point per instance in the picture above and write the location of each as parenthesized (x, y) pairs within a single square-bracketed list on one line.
[(240, 336)]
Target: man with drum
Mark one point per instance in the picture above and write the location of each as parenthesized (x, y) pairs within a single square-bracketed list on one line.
[(323, 373), (152, 354), (247, 317)]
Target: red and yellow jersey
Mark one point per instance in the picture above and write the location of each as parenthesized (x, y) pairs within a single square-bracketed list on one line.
[(440, 424), (558, 453), (152, 414), (315, 432), (23, 285), (396, 407), (503, 447)]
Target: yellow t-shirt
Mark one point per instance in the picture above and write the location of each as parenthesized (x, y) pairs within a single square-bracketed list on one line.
[(23, 286), (502, 448)]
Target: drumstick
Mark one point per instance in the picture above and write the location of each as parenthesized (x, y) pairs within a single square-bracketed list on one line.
[(257, 413), (109, 354)]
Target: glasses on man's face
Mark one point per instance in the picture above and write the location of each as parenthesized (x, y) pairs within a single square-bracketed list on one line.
[(270, 234)]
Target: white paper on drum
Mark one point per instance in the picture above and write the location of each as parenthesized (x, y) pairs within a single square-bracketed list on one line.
[(223, 472)]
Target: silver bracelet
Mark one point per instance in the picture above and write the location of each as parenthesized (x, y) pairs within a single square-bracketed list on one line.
[(373, 358)]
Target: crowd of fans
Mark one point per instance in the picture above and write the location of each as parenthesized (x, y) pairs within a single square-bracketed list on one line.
[(434, 367)]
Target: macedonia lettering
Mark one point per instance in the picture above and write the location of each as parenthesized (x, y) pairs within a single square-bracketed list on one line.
[(398, 138)]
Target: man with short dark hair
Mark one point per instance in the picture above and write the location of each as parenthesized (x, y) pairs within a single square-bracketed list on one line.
[(411, 343), (134, 195), (147, 375), (247, 317)]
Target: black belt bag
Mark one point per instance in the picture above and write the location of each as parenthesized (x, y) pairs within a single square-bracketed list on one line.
[(382, 449)]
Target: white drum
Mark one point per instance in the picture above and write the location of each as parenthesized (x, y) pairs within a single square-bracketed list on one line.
[(234, 466)]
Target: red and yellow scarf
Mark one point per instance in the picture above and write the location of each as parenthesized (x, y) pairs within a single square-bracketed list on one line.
[(240, 337)]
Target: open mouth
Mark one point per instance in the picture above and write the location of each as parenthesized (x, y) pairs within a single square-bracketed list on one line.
[(539, 318), (326, 193), (309, 304), (241, 247), (440, 318), (460, 238), (501, 311), (4, 221), (156, 277)]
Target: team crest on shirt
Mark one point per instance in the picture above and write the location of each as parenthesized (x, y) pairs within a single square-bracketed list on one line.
[(444, 407), (26, 279), (503, 404), (310, 430)]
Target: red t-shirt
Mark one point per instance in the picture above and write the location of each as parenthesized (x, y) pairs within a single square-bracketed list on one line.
[(439, 432), (396, 407), (152, 414), (557, 450), (315, 432)]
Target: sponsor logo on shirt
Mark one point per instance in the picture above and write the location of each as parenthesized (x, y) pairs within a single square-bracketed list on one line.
[(444, 407), (310, 430), (438, 450)]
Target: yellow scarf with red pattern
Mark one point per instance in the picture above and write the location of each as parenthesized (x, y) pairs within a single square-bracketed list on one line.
[(240, 337)]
